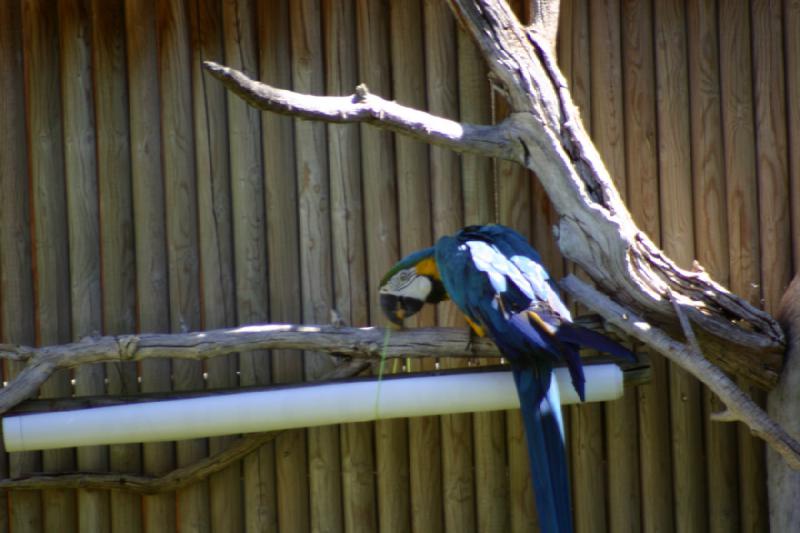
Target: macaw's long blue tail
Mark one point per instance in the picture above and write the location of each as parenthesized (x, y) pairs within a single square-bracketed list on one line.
[(545, 437)]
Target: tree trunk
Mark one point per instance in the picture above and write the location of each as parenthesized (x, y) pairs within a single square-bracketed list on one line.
[(784, 407)]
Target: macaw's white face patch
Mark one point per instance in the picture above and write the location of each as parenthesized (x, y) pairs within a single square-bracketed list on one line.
[(408, 284)]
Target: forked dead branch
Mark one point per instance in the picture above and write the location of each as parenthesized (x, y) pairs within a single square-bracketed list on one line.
[(545, 134)]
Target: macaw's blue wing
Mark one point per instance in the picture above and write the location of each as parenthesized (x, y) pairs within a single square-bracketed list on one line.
[(500, 284), (493, 292)]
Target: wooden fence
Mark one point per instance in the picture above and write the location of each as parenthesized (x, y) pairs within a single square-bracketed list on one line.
[(137, 195)]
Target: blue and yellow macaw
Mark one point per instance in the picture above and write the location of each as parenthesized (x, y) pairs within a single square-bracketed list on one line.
[(497, 280)]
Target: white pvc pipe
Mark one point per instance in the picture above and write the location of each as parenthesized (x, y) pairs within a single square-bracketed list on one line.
[(291, 407)]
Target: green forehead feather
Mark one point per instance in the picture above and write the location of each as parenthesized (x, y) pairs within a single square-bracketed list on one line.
[(407, 262)]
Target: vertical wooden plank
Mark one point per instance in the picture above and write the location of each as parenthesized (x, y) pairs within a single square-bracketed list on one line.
[(80, 166), (643, 200), (349, 253), (606, 88), (771, 139), (414, 210), (215, 239), (379, 187), (711, 237), (640, 116), (792, 46), (441, 62), (624, 497), (738, 119), (283, 255), (775, 224), (16, 283), (677, 239), (586, 421), (477, 179), (475, 107), (50, 242), (180, 198), (116, 228), (249, 247), (315, 254), (152, 283)]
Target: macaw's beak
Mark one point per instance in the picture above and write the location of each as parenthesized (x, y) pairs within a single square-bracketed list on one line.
[(397, 308)]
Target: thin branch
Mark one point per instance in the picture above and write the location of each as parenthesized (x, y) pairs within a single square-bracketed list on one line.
[(173, 480), (352, 342), (595, 229), (363, 106), (359, 343), (545, 133), (739, 405), (688, 332)]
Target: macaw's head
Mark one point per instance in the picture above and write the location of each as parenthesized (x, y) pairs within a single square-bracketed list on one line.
[(411, 283)]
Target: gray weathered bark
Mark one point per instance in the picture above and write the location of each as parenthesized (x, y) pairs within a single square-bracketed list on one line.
[(544, 133), (783, 406)]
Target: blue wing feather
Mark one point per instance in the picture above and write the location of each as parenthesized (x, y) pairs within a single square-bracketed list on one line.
[(492, 290), (497, 279)]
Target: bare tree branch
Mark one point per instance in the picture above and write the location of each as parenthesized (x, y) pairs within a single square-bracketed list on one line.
[(359, 343), (738, 405), (363, 106), (545, 20), (352, 342), (595, 230), (173, 480)]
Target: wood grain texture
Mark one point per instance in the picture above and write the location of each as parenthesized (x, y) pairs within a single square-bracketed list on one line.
[(643, 198), (23, 509), (315, 254), (180, 196), (586, 433), (774, 216), (379, 186), (791, 34), (50, 241), (80, 167), (249, 246), (414, 214), (738, 119), (677, 225), (711, 239), (124, 51), (147, 191), (283, 256), (216, 239), (118, 267), (441, 75), (608, 123), (349, 253)]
